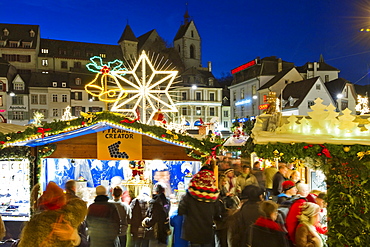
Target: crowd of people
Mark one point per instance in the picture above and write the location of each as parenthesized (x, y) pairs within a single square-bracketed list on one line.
[(258, 208)]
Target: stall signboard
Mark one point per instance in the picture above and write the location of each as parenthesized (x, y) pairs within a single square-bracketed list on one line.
[(117, 144)]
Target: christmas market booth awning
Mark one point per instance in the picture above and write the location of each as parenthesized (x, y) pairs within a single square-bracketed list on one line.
[(77, 138), (322, 125)]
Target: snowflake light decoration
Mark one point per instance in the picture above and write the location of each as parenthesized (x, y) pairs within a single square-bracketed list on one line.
[(147, 89), (362, 105)]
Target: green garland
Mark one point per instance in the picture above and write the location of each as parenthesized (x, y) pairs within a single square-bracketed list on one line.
[(57, 127), (347, 171)]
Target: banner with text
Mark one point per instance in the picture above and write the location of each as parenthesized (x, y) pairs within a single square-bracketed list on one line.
[(116, 144)]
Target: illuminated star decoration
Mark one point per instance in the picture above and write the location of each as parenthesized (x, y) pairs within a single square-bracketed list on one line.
[(67, 114), (108, 87), (362, 105), (37, 117), (148, 89)]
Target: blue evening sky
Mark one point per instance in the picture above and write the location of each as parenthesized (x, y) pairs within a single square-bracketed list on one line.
[(232, 32)]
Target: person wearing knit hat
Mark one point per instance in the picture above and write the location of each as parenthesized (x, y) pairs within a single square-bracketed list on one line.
[(289, 190), (306, 233), (57, 223), (199, 208)]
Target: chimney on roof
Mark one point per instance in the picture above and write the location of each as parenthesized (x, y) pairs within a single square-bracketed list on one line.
[(209, 66), (280, 65)]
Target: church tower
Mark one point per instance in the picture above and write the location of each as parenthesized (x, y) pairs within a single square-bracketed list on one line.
[(188, 43), (128, 43)]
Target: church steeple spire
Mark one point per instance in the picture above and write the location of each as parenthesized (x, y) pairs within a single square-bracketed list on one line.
[(186, 15)]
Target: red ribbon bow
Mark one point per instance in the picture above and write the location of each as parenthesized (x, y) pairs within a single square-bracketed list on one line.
[(42, 131), (213, 154), (129, 121)]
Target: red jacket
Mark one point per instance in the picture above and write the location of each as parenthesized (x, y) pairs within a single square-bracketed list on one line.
[(291, 221)]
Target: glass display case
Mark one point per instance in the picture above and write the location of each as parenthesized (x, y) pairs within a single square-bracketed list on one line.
[(14, 190)]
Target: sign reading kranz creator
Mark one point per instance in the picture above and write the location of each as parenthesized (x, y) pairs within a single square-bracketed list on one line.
[(117, 144)]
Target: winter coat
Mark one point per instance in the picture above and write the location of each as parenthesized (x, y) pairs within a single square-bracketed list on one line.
[(124, 212), (176, 223), (277, 182), (2, 228), (304, 238), (269, 174), (139, 207), (198, 219), (103, 222), (291, 221), (157, 220), (267, 233), (38, 231), (241, 222), (244, 180)]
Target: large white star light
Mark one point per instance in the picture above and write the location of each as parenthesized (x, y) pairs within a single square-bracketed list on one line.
[(147, 89)]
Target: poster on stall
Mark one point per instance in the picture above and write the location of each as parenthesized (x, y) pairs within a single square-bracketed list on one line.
[(117, 144)]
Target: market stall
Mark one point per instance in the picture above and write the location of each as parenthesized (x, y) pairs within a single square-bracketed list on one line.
[(334, 144)]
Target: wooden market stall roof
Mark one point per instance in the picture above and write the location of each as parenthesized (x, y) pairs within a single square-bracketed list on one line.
[(85, 147)]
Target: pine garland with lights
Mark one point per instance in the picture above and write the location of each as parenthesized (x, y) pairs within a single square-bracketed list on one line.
[(347, 171)]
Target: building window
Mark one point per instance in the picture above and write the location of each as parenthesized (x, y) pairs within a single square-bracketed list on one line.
[(76, 111), (76, 95), (242, 111), (212, 96), (62, 51), (78, 81), (32, 33), (211, 111), (2, 86), (77, 65), (192, 51), (345, 92), (226, 113), (55, 98), (76, 53), (26, 44), (234, 96), (18, 115), (17, 100), (64, 64), (34, 99), (64, 97), (44, 62), (318, 86), (183, 94), (326, 78), (55, 112), (6, 32), (184, 111), (198, 110), (64, 84), (42, 99), (103, 55), (55, 84), (13, 44), (310, 103), (234, 112), (89, 54), (226, 124), (254, 90), (198, 96), (343, 104), (1, 101), (192, 33), (18, 86), (179, 49), (2, 43), (45, 51), (242, 94)]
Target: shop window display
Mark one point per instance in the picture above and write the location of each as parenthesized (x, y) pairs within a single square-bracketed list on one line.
[(14, 189)]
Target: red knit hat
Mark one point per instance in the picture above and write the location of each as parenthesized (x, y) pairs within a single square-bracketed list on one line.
[(203, 187), (53, 197), (287, 185)]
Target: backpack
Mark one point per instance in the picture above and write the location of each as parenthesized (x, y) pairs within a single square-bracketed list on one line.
[(283, 210)]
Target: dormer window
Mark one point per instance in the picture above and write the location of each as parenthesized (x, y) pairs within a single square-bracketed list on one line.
[(26, 44), (55, 84), (78, 81), (44, 50), (64, 84), (2, 43), (318, 86), (13, 44), (103, 55), (32, 33), (18, 86), (6, 32)]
